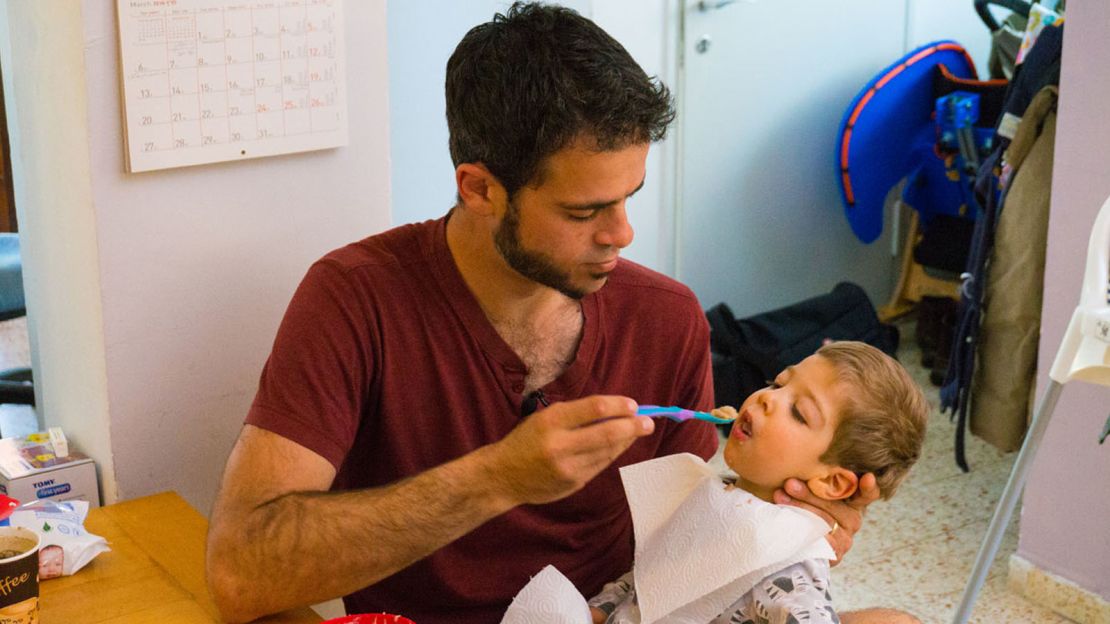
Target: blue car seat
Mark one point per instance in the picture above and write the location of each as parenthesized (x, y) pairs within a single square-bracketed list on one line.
[(890, 132)]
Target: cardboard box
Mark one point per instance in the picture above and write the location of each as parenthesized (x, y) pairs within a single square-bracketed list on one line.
[(30, 469)]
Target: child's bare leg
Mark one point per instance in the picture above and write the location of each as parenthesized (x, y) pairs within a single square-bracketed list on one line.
[(878, 616)]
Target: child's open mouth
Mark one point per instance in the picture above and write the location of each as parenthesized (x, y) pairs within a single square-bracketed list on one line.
[(742, 430)]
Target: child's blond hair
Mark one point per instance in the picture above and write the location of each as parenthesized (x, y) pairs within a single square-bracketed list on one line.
[(882, 426)]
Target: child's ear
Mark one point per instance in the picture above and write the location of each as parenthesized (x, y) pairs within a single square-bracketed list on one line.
[(838, 484)]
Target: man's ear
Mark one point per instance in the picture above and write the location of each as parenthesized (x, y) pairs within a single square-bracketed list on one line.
[(479, 190), (838, 484)]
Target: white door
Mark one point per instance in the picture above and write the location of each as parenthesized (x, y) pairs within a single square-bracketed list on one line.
[(765, 85)]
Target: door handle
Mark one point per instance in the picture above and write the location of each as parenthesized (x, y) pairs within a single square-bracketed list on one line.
[(713, 5)]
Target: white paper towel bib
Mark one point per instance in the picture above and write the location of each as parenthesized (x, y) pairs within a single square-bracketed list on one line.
[(549, 598), (699, 547)]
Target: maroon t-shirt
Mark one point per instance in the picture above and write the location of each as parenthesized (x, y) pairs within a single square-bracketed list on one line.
[(386, 366)]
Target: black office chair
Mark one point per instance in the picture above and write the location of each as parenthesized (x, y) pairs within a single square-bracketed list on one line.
[(16, 385)]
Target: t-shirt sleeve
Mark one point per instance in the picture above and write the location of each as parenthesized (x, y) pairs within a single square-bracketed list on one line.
[(314, 384)]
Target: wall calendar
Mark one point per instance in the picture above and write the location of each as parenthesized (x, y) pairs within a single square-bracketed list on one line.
[(216, 80)]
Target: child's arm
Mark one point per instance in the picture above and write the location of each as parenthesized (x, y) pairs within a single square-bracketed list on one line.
[(611, 596)]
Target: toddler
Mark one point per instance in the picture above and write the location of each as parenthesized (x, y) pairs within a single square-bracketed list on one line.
[(847, 410)]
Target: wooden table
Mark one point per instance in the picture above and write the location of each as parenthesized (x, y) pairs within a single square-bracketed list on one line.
[(154, 572)]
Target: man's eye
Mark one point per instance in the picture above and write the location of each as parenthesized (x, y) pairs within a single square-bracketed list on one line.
[(582, 215)]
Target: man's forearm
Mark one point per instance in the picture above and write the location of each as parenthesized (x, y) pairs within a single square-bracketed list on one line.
[(305, 547), (277, 540)]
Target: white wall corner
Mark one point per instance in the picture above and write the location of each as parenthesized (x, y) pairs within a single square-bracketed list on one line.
[(47, 106)]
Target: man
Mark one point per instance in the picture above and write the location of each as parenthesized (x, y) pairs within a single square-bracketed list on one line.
[(392, 455)]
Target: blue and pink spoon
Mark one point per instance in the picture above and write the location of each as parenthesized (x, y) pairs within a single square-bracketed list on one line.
[(679, 414)]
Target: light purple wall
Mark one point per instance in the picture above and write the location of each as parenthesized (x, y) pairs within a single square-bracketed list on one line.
[(1066, 508)]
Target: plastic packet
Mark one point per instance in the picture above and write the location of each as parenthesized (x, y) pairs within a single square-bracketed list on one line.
[(66, 546)]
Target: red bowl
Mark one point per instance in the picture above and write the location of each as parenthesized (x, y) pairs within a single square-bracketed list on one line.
[(371, 618)]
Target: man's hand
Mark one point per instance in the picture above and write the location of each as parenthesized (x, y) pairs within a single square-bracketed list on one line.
[(846, 517), (557, 450)]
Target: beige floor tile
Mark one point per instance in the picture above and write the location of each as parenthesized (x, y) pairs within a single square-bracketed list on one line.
[(918, 576), (938, 459), (922, 511), (851, 591), (995, 604)]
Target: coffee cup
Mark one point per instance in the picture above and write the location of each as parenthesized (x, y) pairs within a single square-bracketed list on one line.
[(19, 576)]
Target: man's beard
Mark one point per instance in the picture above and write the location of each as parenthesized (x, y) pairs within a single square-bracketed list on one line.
[(533, 265)]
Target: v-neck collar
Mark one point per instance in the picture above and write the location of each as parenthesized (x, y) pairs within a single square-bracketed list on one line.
[(469, 312)]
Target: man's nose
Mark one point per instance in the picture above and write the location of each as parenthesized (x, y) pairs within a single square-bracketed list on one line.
[(616, 231)]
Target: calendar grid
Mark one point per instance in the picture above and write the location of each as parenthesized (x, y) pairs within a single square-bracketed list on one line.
[(217, 80)]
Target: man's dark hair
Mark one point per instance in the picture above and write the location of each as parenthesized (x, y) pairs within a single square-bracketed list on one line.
[(531, 81)]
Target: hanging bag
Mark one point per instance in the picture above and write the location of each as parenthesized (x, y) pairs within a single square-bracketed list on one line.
[(749, 352)]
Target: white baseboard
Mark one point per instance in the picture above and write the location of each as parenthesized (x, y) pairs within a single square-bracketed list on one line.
[(1057, 593)]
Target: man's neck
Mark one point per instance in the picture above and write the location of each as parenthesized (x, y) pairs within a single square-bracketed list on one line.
[(541, 325), (506, 297)]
